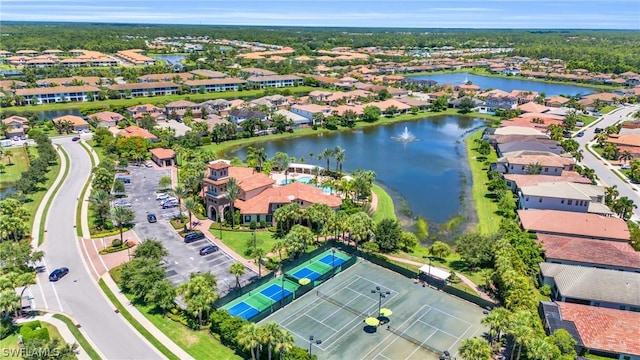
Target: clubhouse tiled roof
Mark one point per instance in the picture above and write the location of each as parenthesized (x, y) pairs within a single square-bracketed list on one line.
[(589, 251), (609, 330), (573, 223), (162, 153), (75, 120), (260, 203)]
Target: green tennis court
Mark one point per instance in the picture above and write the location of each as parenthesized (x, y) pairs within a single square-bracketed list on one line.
[(319, 265), (260, 299)]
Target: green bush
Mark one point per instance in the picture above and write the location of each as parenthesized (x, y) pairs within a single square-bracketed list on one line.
[(263, 224), (116, 243), (545, 290), (253, 225), (7, 327), (34, 331), (272, 264)]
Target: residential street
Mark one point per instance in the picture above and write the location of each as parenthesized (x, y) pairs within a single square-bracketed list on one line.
[(605, 170), (77, 294)]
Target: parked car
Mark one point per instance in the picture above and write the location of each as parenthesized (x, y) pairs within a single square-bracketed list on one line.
[(58, 274), (23, 137), (152, 218), (162, 196), (168, 199), (625, 166), (208, 250), (124, 180), (169, 205), (121, 203), (148, 164), (580, 134), (598, 130), (15, 138), (193, 236), (75, 138)]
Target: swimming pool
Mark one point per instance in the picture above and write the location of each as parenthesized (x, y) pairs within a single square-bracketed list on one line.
[(306, 180)]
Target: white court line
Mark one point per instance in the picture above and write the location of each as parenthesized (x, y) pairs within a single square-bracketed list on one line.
[(422, 343), (461, 336), (383, 357), (319, 321), (438, 329), (392, 334), (330, 315), (455, 317)]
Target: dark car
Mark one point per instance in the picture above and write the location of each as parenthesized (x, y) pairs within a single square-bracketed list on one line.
[(152, 218), (193, 236), (581, 134), (598, 130), (58, 274), (124, 180), (208, 250), (75, 138)]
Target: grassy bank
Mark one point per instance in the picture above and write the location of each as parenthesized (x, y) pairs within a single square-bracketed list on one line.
[(385, 208), (155, 100), (82, 341), (141, 329), (241, 241), (14, 166), (83, 193), (488, 220), (45, 213)]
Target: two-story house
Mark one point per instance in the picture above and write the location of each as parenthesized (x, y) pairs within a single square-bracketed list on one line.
[(534, 163), (239, 115), (138, 111), (15, 126), (106, 118), (564, 196), (308, 110), (177, 109)]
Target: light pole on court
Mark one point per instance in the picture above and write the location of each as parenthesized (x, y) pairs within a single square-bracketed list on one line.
[(381, 294), (333, 267), (313, 341)]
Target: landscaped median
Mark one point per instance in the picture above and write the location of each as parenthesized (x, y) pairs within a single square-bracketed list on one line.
[(45, 212), (384, 206), (84, 343)]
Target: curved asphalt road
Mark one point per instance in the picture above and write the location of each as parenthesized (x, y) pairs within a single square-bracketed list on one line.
[(77, 294), (605, 170)]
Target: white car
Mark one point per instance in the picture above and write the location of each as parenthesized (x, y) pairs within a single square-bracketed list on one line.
[(168, 200), (162, 196)]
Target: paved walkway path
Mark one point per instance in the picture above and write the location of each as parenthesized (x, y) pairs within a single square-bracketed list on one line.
[(464, 279), (63, 329)]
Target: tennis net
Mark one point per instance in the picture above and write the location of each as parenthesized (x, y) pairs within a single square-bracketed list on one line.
[(415, 341), (341, 305)]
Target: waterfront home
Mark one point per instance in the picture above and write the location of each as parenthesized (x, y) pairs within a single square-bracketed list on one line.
[(538, 123), (533, 163), (177, 109), (163, 157), (611, 333), (532, 107), (69, 81), (590, 101), (239, 115), (570, 250), (175, 77), (517, 130), (455, 103), (516, 181), (308, 110), (135, 131), (248, 72), (267, 81), (137, 111), (212, 121), (4, 53), (214, 85), (391, 106), (210, 74), (77, 123), (106, 118), (36, 96), (218, 106), (530, 146), (564, 196), (145, 89), (574, 224), (15, 126), (592, 286), (8, 85), (135, 57), (272, 103), (297, 120), (494, 103), (556, 101)]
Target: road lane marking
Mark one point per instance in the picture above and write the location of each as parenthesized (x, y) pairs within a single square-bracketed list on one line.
[(55, 292)]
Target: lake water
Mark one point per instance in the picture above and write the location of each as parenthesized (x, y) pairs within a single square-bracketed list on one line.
[(57, 113), (174, 59), (426, 173), (507, 84)]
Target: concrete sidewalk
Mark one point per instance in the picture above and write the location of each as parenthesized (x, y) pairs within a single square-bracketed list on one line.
[(63, 329), (168, 343)]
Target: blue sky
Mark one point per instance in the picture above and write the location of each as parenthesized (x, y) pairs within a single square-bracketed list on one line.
[(573, 14)]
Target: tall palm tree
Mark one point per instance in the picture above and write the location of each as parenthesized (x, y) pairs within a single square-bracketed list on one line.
[(249, 339), (497, 320), (237, 269), (100, 200), (191, 205), (284, 342), (626, 156), (578, 155), (271, 333), (611, 194), (180, 192), (8, 154), (340, 156), (278, 247), (326, 154), (233, 191), (199, 293), (122, 216), (520, 328), (360, 227), (258, 253), (624, 207), (475, 349)]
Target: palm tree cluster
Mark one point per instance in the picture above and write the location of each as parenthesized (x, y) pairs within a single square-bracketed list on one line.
[(622, 206), (269, 337), (337, 153)]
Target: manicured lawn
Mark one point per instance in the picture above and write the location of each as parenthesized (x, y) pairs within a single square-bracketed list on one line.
[(82, 341), (607, 109), (156, 100), (240, 241), (586, 120), (385, 209), (199, 344), (11, 342), (45, 212), (19, 164), (488, 220)]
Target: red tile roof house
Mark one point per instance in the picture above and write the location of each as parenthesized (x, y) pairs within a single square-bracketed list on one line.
[(106, 118), (132, 131), (574, 224), (79, 124), (601, 331), (15, 126), (163, 157), (258, 198), (177, 109), (139, 110), (570, 250)]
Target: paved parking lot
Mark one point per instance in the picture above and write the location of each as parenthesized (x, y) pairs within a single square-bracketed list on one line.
[(183, 259)]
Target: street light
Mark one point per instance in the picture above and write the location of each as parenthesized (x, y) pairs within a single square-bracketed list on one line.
[(333, 257), (311, 342), (429, 270), (281, 287), (382, 294)]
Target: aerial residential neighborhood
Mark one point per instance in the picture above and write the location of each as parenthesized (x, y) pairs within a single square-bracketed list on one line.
[(274, 190)]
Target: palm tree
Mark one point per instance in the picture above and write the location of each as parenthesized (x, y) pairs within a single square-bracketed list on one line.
[(360, 227), (180, 192), (249, 339), (8, 154), (259, 155), (277, 248), (497, 320), (475, 349), (626, 156), (191, 205), (534, 168), (271, 335), (122, 216), (284, 342), (165, 182), (258, 253), (624, 207), (611, 194), (100, 200), (578, 155), (520, 328), (9, 302), (237, 269), (326, 154), (199, 293), (340, 156), (233, 191)]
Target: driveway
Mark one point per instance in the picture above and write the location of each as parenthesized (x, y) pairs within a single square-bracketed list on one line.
[(603, 169), (183, 259)]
